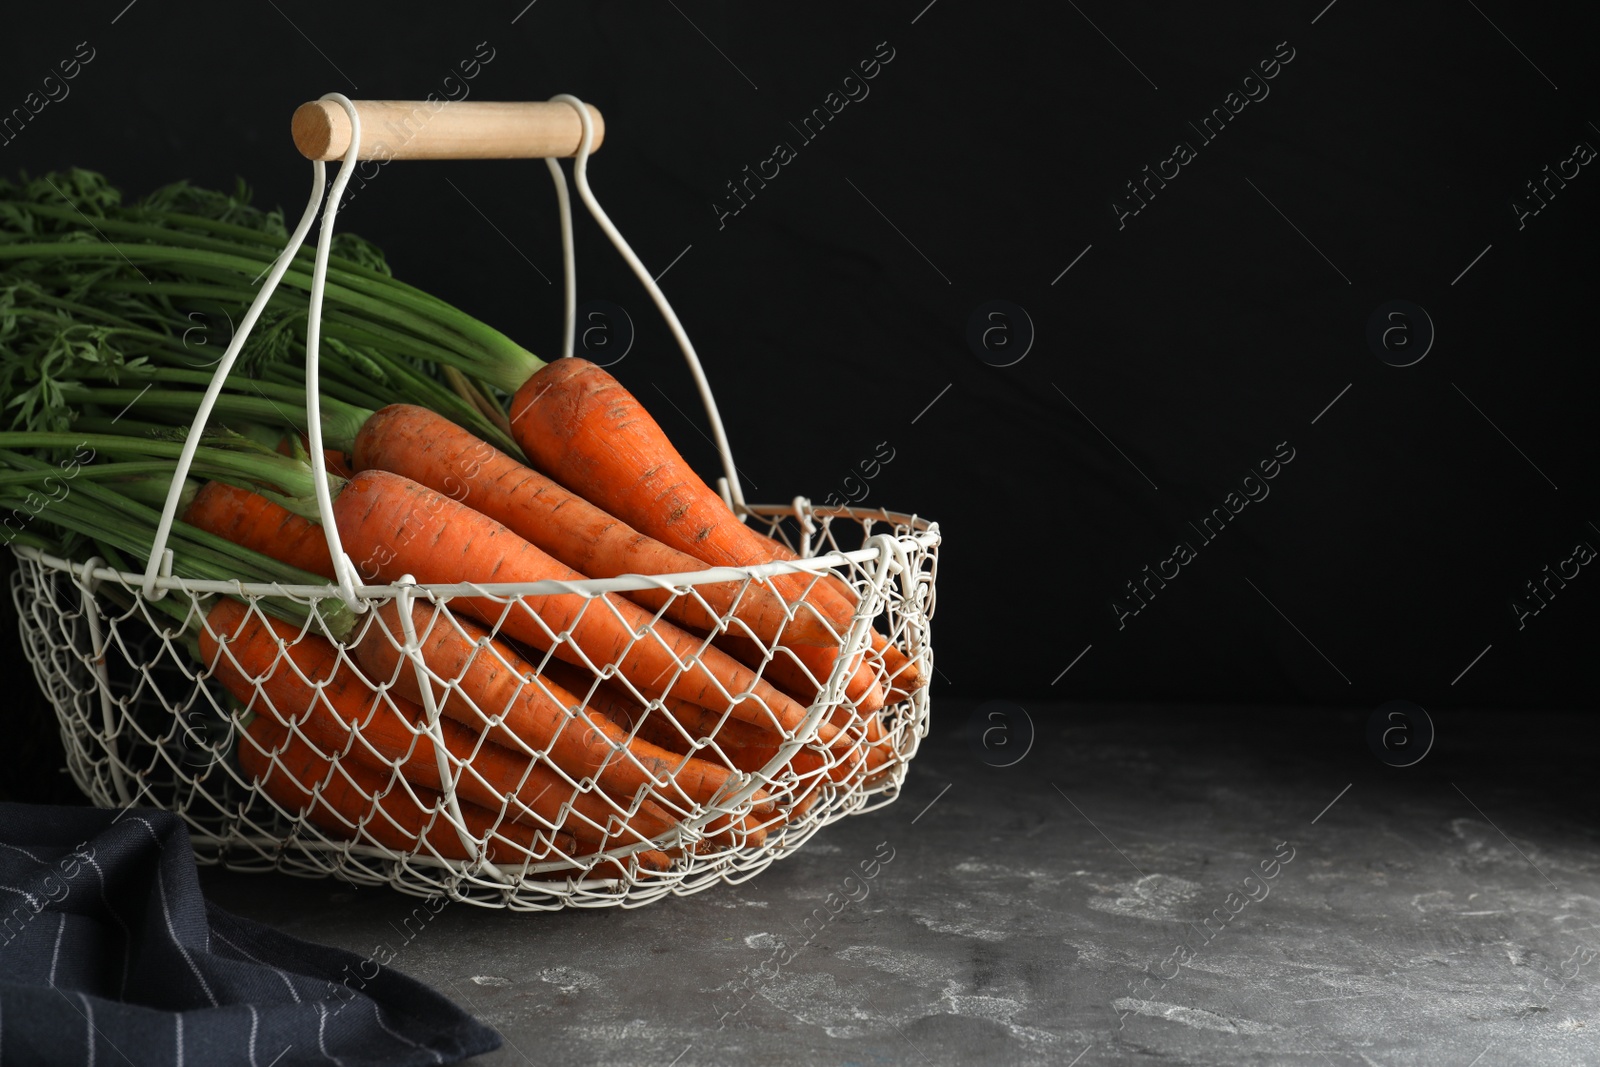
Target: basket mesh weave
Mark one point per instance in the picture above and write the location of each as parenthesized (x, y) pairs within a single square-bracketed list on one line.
[(144, 723)]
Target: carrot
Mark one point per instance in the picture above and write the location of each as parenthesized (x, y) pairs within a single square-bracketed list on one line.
[(580, 426), (895, 672), (652, 725), (745, 747), (798, 810), (491, 773), (871, 751), (861, 686), (393, 526), (251, 520), (751, 751), (352, 801), (800, 672), (822, 771), (622, 708), (535, 718), (653, 730), (433, 451), (900, 667), (306, 683), (486, 683), (809, 762), (903, 676), (636, 719), (700, 722), (878, 750)]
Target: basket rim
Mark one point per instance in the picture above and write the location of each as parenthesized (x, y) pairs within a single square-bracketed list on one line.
[(925, 535)]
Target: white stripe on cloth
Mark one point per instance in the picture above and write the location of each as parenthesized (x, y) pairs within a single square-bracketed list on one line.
[(127, 935), (377, 1013), (89, 1036), (322, 1028), (33, 901), (253, 959), (166, 914), (25, 852), (55, 953)]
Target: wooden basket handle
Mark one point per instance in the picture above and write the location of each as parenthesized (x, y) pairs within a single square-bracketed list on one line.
[(443, 129)]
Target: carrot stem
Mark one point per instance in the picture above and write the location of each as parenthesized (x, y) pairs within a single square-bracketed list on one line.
[(469, 344), (112, 519)]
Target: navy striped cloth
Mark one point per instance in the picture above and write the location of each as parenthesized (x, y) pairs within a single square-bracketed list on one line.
[(109, 954)]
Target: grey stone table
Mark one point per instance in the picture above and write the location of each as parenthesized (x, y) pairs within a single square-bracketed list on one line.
[(1198, 885)]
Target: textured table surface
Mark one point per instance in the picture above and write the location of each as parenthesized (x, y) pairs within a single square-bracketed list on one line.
[(1087, 904)]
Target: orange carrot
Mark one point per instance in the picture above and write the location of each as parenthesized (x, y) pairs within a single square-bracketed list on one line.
[(800, 807), (489, 773), (275, 671), (487, 683), (700, 722), (251, 520), (392, 526), (353, 800), (878, 750), (349, 800), (612, 701), (580, 426), (903, 677), (801, 672), (745, 747), (430, 449), (652, 725), (861, 686), (536, 715)]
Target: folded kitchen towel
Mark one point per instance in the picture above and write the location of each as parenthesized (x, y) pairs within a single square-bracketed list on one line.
[(109, 954)]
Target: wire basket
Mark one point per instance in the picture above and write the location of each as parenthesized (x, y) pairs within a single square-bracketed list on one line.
[(626, 796)]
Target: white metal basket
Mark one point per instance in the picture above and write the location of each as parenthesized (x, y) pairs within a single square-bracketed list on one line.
[(144, 723)]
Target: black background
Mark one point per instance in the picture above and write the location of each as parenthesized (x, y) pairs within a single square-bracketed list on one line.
[(832, 311)]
